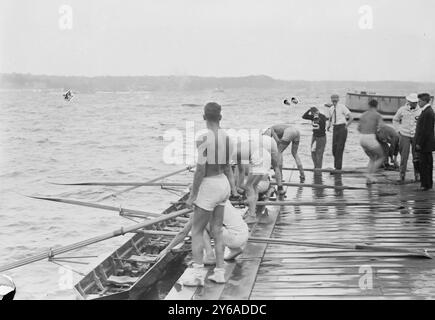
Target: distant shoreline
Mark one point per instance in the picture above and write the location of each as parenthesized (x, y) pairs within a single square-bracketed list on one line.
[(195, 83)]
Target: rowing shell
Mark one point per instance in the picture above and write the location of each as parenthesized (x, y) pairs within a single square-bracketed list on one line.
[(132, 269)]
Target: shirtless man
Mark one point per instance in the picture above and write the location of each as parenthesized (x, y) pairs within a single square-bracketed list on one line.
[(254, 157), (284, 135), (210, 191), (369, 123)]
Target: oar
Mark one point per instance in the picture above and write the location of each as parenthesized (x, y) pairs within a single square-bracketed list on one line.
[(318, 186), (328, 170), (316, 203), (417, 253), (125, 184), (181, 184), (150, 181), (129, 212), (48, 254), (307, 203)]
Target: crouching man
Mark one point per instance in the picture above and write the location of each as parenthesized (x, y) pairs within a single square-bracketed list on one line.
[(235, 235)]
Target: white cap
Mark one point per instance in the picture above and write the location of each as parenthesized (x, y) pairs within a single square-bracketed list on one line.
[(412, 97)]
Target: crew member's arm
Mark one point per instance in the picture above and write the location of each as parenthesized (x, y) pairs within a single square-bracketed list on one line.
[(228, 171), (274, 135), (329, 118), (397, 119), (178, 238), (348, 116), (199, 172), (197, 179), (308, 115)]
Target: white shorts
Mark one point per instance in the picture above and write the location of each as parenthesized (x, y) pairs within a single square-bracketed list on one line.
[(261, 162), (214, 191), (263, 186), (291, 135), (371, 145), (234, 240)]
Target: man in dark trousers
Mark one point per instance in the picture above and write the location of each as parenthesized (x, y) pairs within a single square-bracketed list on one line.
[(340, 118), (425, 140)]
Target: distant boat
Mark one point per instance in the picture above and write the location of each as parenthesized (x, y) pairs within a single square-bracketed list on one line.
[(387, 105), (218, 90)]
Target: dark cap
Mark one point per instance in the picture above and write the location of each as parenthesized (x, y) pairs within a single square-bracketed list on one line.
[(335, 97), (373, 103), (212, 111), (424, 97)]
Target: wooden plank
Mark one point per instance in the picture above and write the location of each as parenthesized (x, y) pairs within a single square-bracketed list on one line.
[(240, 285), (318, 291), (289, 272), (180, 292), (339, 297), (212, 290)]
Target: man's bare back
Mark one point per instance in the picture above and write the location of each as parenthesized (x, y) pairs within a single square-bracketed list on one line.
[(216, 148)]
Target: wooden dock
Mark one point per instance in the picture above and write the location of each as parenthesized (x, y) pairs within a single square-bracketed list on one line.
[(270, 271)]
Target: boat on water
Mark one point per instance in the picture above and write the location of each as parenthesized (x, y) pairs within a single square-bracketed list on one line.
[(387, 104), (132, 269)]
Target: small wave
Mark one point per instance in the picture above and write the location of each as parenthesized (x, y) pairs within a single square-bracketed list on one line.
[(12, 174), (190, 105)]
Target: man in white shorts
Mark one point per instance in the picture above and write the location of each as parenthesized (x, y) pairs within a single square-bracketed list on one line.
[(284, 135), (369, 124), (235, 234), (210, 190), (254, 157)]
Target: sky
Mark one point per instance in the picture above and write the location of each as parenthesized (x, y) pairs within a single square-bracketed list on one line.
[(285, 39)]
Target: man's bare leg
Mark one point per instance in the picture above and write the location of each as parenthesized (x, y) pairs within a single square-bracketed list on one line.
[(216, 225), (200, 219), (298, 161), (210, 257), (252, 196)]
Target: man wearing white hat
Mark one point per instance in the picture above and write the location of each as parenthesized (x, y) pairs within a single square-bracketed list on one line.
[(405, 122)]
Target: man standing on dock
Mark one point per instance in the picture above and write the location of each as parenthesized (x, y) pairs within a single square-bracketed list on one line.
[(425, 141), (369, 124), (211, 189), (340, 118), (318, 141), (405, 122)]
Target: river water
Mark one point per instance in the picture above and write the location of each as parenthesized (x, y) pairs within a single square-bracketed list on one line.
[(109, 137)]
